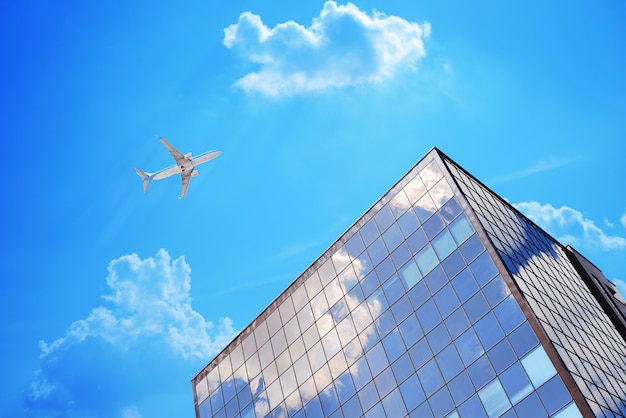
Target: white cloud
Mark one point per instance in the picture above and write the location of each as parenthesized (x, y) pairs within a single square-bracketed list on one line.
[(608, 223), (117, 352), (344, 46), (623, 220), (569, 223)]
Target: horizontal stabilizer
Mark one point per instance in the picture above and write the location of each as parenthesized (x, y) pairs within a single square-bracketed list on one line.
[(145, 177)]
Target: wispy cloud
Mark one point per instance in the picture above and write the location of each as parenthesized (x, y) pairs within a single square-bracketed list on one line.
[(119, 347), (569, 225), (547, 164), (344, 46), (623, 220)]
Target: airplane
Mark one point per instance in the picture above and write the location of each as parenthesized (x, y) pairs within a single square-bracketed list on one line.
[(185, 166)]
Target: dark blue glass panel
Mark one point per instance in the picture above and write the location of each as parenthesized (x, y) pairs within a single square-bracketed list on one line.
[(205, 409), (345, 387), (385, 323), (360, 373), (402, 368), (412, 392), (393, 289), (355, 246), (377, 251), (471, 248), (554, 395), (329, 399), (422, 411), (377, 359), (457, 323), (384, 217), (441, 402), (509, 314), (352, 408), (488, 331), (428, 316), (430, 377), (523, 339), (530, 407), (394, 347), (436, 279), (417, 241), (461, 388), (468, 346), (476, 307), (501, 356), (446, 300), (472, 408), (393, 405), (313, 409), (449, 362), (219, 414), (420, 353), (438, 338), (244, 397), (464, 285), (450, 210), (483, 269), (515, 383), (481, 372), (385, 269), (217, 401), (495, 291), (401, 255), (408, 222), (228, 389), (453, 264), (393, 237), (369, 284), (248, 412), (419, 294), (411, 330), (402, 309), (367, 396), (433, 226), (369, 232), (385, 382)]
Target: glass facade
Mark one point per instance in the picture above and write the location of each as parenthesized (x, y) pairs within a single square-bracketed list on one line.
[(412, 313)]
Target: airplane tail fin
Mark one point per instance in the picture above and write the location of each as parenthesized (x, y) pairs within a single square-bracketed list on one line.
[(145, 177)]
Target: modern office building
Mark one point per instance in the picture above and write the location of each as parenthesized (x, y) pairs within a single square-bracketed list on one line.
[(442, 300)]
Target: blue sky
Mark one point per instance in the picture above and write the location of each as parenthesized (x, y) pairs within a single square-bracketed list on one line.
[(113, 299)]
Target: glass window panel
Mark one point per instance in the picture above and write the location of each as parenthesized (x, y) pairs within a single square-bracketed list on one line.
[(261, 334), (266, 355), (496, 290), (402, 367), (464, 285), (430, 377), (279, 342), (420, 353), (494, 399), (316, 357), (449, 362), (446, 300), (461, 388), (523, 339), (483, 268), (297, 349), (377, 359), (476, 307), (326, 272), (333, 292), (273, 322), (338, 364), (422, 411), (345, 387), (311, 336), (457, 322), (502, 356), (571, 411), (417, 240), (401, 309), (313, 285), (348, 278), (370, 283), (319, 305), (411, 330), (352, 408), (283, 362), (252, 365), (509, 314), (232, 408), (346, 330), (385, 382), (313, 408), (205, 410), (441, 402), (471, 248), (426, 260), (436, 279), (369, 232), (322, 378), (530, 407), (441, 192), (481, 372), (472, 408), (415, 189), (399, 204), (394, 347), (393, 237), (453, 264), (329, 401), (424, 208), (217, 401), (438, 338), (236, 357), (393, 289), (554, 395), (461, 229), (450, 210), (468, 346), (341, 259), (433, 226), (410, 274), (385, 269), (360, 373), (515, 383), (294, 403), (393, 405), (339, 311), (368, 396), (401, 255), (362, 265), (419, 294), (444, 244), (384, 217), (428, 316), (331, 343), (431, 174), (300, 298), (408, 223), (244, 398), (538, 366), (377, 251), (488, 330), (377, 303)]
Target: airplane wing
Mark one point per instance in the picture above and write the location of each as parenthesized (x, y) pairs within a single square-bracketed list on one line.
[(173, 152), (185, 178)]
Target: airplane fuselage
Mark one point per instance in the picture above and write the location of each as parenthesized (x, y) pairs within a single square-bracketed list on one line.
[(185, 166)]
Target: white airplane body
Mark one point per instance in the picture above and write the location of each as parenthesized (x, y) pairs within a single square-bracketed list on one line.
[(185, 166)]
